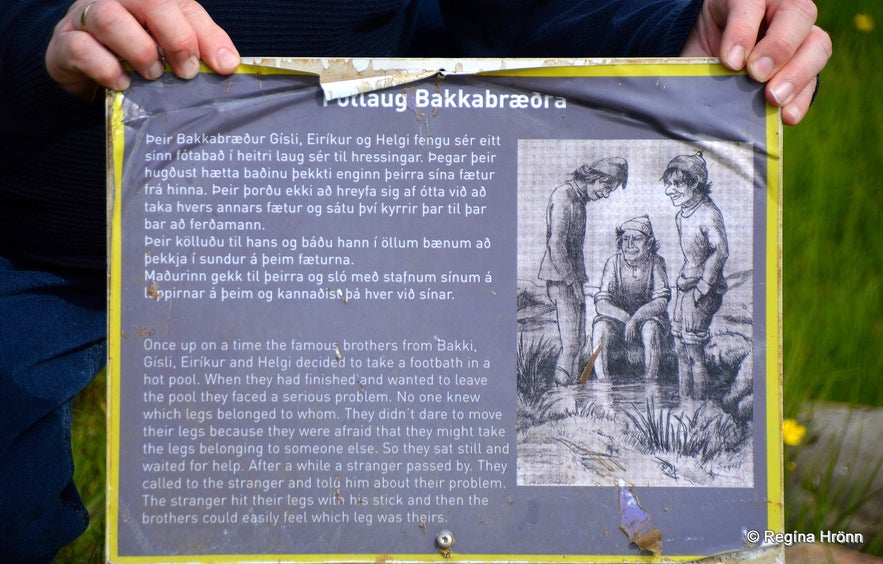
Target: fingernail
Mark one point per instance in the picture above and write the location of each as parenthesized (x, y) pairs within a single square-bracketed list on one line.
[(227, 60), (782, 93), (190, 67), (762, 69), (791, 115), (735, 57), (156, 70), (122, 82)]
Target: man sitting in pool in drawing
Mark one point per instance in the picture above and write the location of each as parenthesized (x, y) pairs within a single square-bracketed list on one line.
[(632, 303), (563, 267), (701, 284)]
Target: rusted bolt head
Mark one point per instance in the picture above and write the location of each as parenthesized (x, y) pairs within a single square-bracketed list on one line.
[(445, 539)]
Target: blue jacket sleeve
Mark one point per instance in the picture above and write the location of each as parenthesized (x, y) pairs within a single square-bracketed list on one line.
[(570, 28), (32, 106)]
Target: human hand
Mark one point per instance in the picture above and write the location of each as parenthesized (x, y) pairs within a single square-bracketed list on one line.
[(690, 308), (685, 284), (632, 329), (776, 40), (94, 37)]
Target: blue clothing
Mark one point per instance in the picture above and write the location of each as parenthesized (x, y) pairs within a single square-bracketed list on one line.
[(52, 342), (52, 191), (52, 165)]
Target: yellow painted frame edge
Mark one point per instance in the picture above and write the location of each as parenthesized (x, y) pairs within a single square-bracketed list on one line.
[(668, 69), (774, 354), (116, 142), (398, 558)]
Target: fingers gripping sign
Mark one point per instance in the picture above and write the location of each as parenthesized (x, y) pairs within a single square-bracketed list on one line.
[(89, 44), (777, 41), (789, 55)]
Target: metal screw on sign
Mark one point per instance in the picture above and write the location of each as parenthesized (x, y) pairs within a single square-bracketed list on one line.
[(444, 540)]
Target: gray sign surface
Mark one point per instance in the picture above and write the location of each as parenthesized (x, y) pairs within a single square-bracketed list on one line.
[(333, 335)]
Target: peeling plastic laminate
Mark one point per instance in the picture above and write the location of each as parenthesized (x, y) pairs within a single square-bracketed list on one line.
[(636, 523), (344, 77)]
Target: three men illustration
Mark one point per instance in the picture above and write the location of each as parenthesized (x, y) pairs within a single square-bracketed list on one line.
[(632, 324)]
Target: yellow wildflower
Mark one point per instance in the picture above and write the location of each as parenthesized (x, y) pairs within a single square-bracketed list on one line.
[(863, 22), (792, 432)]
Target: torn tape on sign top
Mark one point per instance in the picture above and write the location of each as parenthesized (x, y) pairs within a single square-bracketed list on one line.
[(342, 77)]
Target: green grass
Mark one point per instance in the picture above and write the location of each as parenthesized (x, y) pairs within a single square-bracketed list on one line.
[(833, 237), (832, 257), (833, 252), (89, 440)]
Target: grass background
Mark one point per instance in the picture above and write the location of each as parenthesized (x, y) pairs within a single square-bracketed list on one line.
[(833, 237), (832, 257)]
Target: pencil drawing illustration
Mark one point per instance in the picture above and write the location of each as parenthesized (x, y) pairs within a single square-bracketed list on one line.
[(635, 313)]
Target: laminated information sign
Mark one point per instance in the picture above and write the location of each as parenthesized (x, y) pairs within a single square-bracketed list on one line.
[(513, 315)]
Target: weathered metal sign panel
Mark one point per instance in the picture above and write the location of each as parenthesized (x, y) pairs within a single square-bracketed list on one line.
[(488, 317)]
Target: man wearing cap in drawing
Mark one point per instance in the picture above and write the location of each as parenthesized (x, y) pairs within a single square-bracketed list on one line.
[(701, 284), (632, 303), (563, 266)]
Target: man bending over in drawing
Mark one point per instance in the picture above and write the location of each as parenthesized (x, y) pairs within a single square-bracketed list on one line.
[(701, 284), (632, 303), (563, 266)]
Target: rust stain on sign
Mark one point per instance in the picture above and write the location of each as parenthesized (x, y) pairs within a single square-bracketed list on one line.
[(153, 290)]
